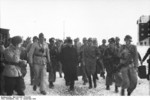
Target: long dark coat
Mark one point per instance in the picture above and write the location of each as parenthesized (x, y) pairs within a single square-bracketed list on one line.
[(69, 60), (90, 55)]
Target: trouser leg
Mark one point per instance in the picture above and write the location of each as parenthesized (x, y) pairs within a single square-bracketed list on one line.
[(133, 80), (9, 85), (31, 74), (71, 85), (20, 86), (90, 82), (43, 78), (94, 80)]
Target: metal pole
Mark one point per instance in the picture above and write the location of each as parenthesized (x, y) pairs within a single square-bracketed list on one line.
[(64, 30)]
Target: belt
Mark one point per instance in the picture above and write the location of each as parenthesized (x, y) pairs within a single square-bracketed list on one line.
[(40, 55), (11, 63)]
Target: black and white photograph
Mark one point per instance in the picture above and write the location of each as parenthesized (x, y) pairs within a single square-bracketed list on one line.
[(74, 48)]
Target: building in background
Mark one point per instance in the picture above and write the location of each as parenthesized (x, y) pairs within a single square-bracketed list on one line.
[(4, 39), (144, 31)]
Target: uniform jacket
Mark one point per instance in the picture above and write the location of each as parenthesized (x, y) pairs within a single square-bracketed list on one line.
[(90, 54), (39, 53), (129, 54), (12, 54)]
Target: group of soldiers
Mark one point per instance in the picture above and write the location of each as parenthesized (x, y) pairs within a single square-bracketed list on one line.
[(118, 62)]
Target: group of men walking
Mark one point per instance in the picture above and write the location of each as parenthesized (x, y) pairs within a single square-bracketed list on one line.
[(118, 62)]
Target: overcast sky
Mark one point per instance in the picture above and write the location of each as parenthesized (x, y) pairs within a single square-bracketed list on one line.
[(81, 18)]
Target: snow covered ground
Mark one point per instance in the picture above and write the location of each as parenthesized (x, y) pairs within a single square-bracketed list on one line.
[(143, 86)]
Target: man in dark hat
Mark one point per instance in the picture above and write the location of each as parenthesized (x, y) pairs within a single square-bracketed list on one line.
[(12, 71), (69, 60), (39, 57), (128, 64), (54, 59)]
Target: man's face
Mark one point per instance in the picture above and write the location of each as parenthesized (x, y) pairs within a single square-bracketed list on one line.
[(41, 39), (35, 40), (104, 42), (112, 45), (90, 42), (128, 42), (85, 41), (117, 40)]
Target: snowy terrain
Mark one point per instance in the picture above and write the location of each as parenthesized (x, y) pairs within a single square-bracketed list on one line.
[(143, 87)]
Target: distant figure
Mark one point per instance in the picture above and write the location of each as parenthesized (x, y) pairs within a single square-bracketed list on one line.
[(148, 61), (54, 59), (39, 57), (84, 75), (69, 60), (128, 64), (102, 49), (35, 39), (59, 44)]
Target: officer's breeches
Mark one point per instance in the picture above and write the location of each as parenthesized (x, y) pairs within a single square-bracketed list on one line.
[(129, 78), (40, 76)]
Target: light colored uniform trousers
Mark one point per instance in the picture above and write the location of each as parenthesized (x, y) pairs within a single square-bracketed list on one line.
[(129, 78), (40, 76)]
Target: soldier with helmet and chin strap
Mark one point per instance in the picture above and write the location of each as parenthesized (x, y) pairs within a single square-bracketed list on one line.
[(128, 66), (39, 57)]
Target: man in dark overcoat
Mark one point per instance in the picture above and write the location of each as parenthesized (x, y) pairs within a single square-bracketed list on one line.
[(69, 60), (89, 59)]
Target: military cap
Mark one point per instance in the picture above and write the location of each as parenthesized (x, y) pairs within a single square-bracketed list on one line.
[(16, 40), (111, 40), (117, 38), (41, 35), (51, 39), (35, 37), (128, 37), (104, 40), (69, 40), (84, 39), (90, 40)]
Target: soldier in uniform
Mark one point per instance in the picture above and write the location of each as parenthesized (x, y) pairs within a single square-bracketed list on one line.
[(89, 59), (54, 59), (69, 60), (13, 65), (35, 39), (102, 49), (117, 76), (84, 76), (77, 45), (59, 44), (39, 57), (110, 57), (128, 64), (99, 61)]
